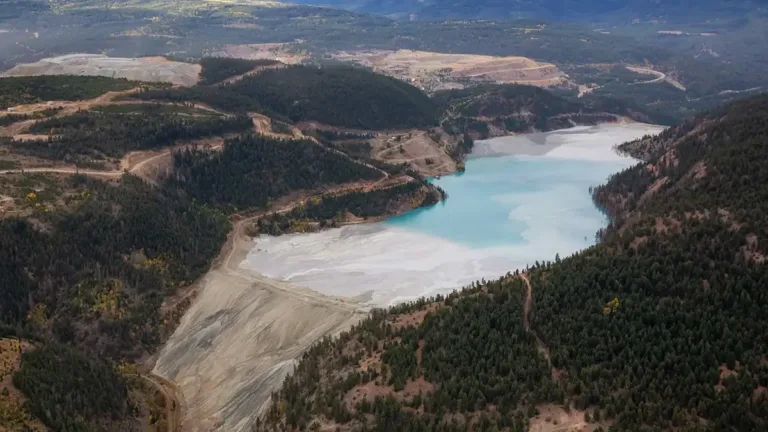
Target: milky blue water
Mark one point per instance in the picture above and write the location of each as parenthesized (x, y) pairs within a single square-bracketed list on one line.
[(522, 199), (500, 198)]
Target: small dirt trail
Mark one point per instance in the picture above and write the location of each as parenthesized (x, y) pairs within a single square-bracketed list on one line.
[(527, 309), (135, 169), (255, 71), (67, 108), (64, 171), (175, 406), (400, 144), (660, 76)]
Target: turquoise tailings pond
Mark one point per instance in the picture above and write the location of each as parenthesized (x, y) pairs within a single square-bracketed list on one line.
[(522, 199)]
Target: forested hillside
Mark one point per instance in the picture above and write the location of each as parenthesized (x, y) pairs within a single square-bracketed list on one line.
[(251, 170), (89, 135), (493, 110), (662, 326), (88, 264), (26, 90), (335, 209), (338, 96), (218, 69)]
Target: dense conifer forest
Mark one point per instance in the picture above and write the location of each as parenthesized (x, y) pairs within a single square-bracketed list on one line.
[(336, 95), (489, 110), (218, 69), (251, 170), (106, 257), (333, 210), (96, 135), (26, 90), (686, 262), (662, 326), (80, 390), (90, 269)]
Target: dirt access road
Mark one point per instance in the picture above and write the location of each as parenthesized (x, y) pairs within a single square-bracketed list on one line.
[(552, 417), (142, 163), (66, 108), (175, 407), (660, 76), (527, 309)]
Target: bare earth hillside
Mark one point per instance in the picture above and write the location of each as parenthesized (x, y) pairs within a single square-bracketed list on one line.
[(147, 69), (438, 71), (241, 337)]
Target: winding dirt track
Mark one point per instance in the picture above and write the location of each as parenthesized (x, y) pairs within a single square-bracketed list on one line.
[(64, 171), (660, 76), (527, 308), (175, 407), (110, 174)]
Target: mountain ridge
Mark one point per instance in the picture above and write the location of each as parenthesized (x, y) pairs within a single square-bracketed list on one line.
[(557, 10)]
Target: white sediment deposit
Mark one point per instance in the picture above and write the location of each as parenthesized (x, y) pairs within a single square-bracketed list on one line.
[(528, 203), (147, 69), (239, 340)]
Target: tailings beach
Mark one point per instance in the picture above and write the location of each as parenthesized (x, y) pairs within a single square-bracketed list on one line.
[(241, 336)]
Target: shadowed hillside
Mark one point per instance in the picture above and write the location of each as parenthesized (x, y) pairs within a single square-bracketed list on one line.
[(338, 96), (494, 110), (566, 10)]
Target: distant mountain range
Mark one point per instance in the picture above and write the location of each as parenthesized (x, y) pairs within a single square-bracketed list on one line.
[(570, 10)]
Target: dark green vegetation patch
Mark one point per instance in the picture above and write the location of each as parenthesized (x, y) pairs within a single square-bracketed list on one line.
[(251, 170), (339, 96), (27, 90), (67, 390), (218, 69), (331, 210), (472, 348), (90, 269), (96, 135), (97, 273)]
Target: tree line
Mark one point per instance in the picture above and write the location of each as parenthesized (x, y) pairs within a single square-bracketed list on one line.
[(27, 90), (92, 135), (252, 170), (338, 96), (331, 211)]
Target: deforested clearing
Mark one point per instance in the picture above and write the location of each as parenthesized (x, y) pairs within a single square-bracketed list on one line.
[(147, 69), (436, 71)]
